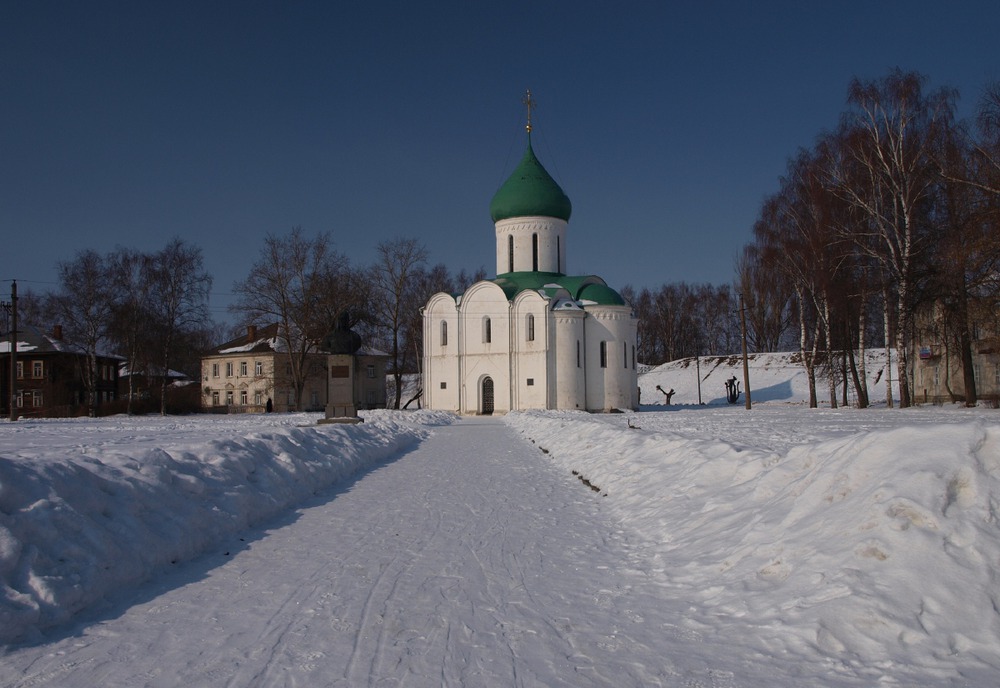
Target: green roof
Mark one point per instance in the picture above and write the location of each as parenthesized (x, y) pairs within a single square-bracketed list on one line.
[(579, 287), (601, 294), (530, 191)]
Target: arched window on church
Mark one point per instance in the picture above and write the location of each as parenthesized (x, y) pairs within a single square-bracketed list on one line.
[(510, 253), (530, 327), (624, 357), (534, 252), (487, 330), (559, 254), (577, 353), (444, 333), (604, 354)]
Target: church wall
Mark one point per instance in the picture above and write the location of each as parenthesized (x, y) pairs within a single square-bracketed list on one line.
[(551, 240), (441, 381), (611, 382), (569, 381), (531, 342), (484, 332)]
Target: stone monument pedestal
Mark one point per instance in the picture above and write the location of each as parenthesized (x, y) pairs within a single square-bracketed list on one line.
[(340, 407)]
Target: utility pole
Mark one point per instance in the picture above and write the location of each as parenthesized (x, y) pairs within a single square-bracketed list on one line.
[(11, 309), (746, 368), (697, 367)]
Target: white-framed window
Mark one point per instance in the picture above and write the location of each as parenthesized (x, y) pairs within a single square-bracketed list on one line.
[(20, 400), (258, 367), (604, 354), (243, 368), (215, 398), (229, 369), (229, 398), (36, 398), (243, 398), (258, 398), (530, 327), (370, 372), (215, 370), (487, 330), (37, 369), (20, 370)]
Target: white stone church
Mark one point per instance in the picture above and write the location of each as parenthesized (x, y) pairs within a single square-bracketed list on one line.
[(534, 337)]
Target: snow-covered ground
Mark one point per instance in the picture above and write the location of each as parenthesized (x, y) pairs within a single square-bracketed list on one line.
[(780, 546), (90, 505)]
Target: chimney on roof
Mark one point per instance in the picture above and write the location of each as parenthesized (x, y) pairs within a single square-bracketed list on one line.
[(57, 332), (251, 333)]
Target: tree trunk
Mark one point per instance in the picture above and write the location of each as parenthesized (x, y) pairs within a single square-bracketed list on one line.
[(859, 389), (888, 347), (902, 343), (808, 358), (831, 377), (965, 346), (861, 372)]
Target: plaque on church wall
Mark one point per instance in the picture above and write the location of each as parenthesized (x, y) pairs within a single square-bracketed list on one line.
[(340, 371)]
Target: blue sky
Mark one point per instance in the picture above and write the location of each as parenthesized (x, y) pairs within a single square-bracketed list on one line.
[(129, 123)]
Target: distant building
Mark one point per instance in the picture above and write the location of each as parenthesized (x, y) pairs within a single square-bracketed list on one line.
[(146, 384), (936, 361), (534, 337), (51, 375), (146, 387), (241, 375)]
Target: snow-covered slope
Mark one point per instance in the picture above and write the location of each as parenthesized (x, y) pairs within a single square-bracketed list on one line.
[(774, 377)]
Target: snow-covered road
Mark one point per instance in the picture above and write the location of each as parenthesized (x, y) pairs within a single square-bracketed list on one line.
[(470, 560)]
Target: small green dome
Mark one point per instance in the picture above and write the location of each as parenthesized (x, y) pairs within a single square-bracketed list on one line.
[(600, 294), (530, 191)]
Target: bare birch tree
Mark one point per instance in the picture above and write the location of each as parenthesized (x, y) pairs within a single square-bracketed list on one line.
[(395, 297), (299, 283), (892, 128), (179, 290), (84, 304)]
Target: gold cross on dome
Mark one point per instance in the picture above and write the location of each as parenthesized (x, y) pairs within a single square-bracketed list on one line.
[(530, 103)]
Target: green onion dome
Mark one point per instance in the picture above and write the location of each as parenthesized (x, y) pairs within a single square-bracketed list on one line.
[(530, 191)]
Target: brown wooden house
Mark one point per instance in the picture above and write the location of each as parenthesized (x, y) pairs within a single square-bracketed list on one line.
[(51, 374)]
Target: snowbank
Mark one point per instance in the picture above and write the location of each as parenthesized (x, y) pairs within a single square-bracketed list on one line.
[(90, 505), (874, 548)]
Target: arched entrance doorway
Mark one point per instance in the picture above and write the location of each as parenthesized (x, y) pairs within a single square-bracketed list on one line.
[(487, 396)]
